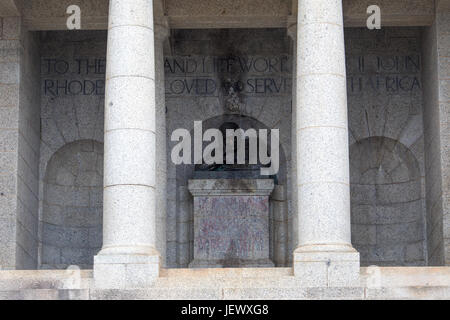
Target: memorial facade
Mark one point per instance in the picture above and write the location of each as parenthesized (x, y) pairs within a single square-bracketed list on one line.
[(224, 149)]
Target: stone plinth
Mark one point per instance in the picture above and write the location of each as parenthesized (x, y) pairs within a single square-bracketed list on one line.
[(231, 223)]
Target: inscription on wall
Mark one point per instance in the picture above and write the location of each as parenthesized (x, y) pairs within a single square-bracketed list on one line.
[(185, 76), (209, 76), (389, 74), (80, 76), (251, 76)]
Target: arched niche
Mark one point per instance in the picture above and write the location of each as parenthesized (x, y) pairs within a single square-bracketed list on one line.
[(72, 206), (386, 203)]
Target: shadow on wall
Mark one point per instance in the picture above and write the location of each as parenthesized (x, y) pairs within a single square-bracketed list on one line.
[(387, 207), (71, 232)]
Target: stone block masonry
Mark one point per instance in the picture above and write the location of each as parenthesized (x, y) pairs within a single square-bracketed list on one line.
[(436, 124), (19, 144)]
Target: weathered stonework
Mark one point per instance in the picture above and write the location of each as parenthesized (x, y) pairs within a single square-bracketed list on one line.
[(188, 14), (71, 157), (364, 160), (72, 206), (267, 105), (384, 85), (19, 145), (436, 125), (231, 223)]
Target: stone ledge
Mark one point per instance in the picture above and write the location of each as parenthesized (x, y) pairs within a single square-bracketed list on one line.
[(218, 14), (227, 273), (231, 187), (272, 293), (408, 276), (239, 283), (45, 279)]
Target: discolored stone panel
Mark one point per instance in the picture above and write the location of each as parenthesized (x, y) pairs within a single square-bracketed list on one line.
[(232, 230), (231, 222), (72, 209), (387, 207)]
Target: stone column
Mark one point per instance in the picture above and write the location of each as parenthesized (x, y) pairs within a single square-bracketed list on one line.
[(129, 258), (436, 91), (293, 218), (161, 35), (324, 256)]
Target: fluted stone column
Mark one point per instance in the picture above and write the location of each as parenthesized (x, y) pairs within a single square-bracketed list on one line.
[(129, 258), (324, 256)]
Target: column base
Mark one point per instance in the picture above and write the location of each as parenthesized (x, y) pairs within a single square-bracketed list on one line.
[(126, 271), (327, 266)]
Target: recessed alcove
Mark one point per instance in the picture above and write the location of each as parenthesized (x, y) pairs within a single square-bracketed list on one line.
[(387, 204), (278, 231), (72, 206)]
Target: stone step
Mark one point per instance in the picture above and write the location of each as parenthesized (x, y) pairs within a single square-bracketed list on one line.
[(229, 293), (244, 293), (408, 293), (240, 283), (225, 277), (45, 294), (273, 293), (406, 276), (45, 279), (227, 273)]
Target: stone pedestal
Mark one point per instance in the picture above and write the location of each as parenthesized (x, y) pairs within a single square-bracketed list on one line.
[(231, 223)]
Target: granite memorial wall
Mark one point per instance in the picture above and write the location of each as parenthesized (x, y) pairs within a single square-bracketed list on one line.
[(242, 77)]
